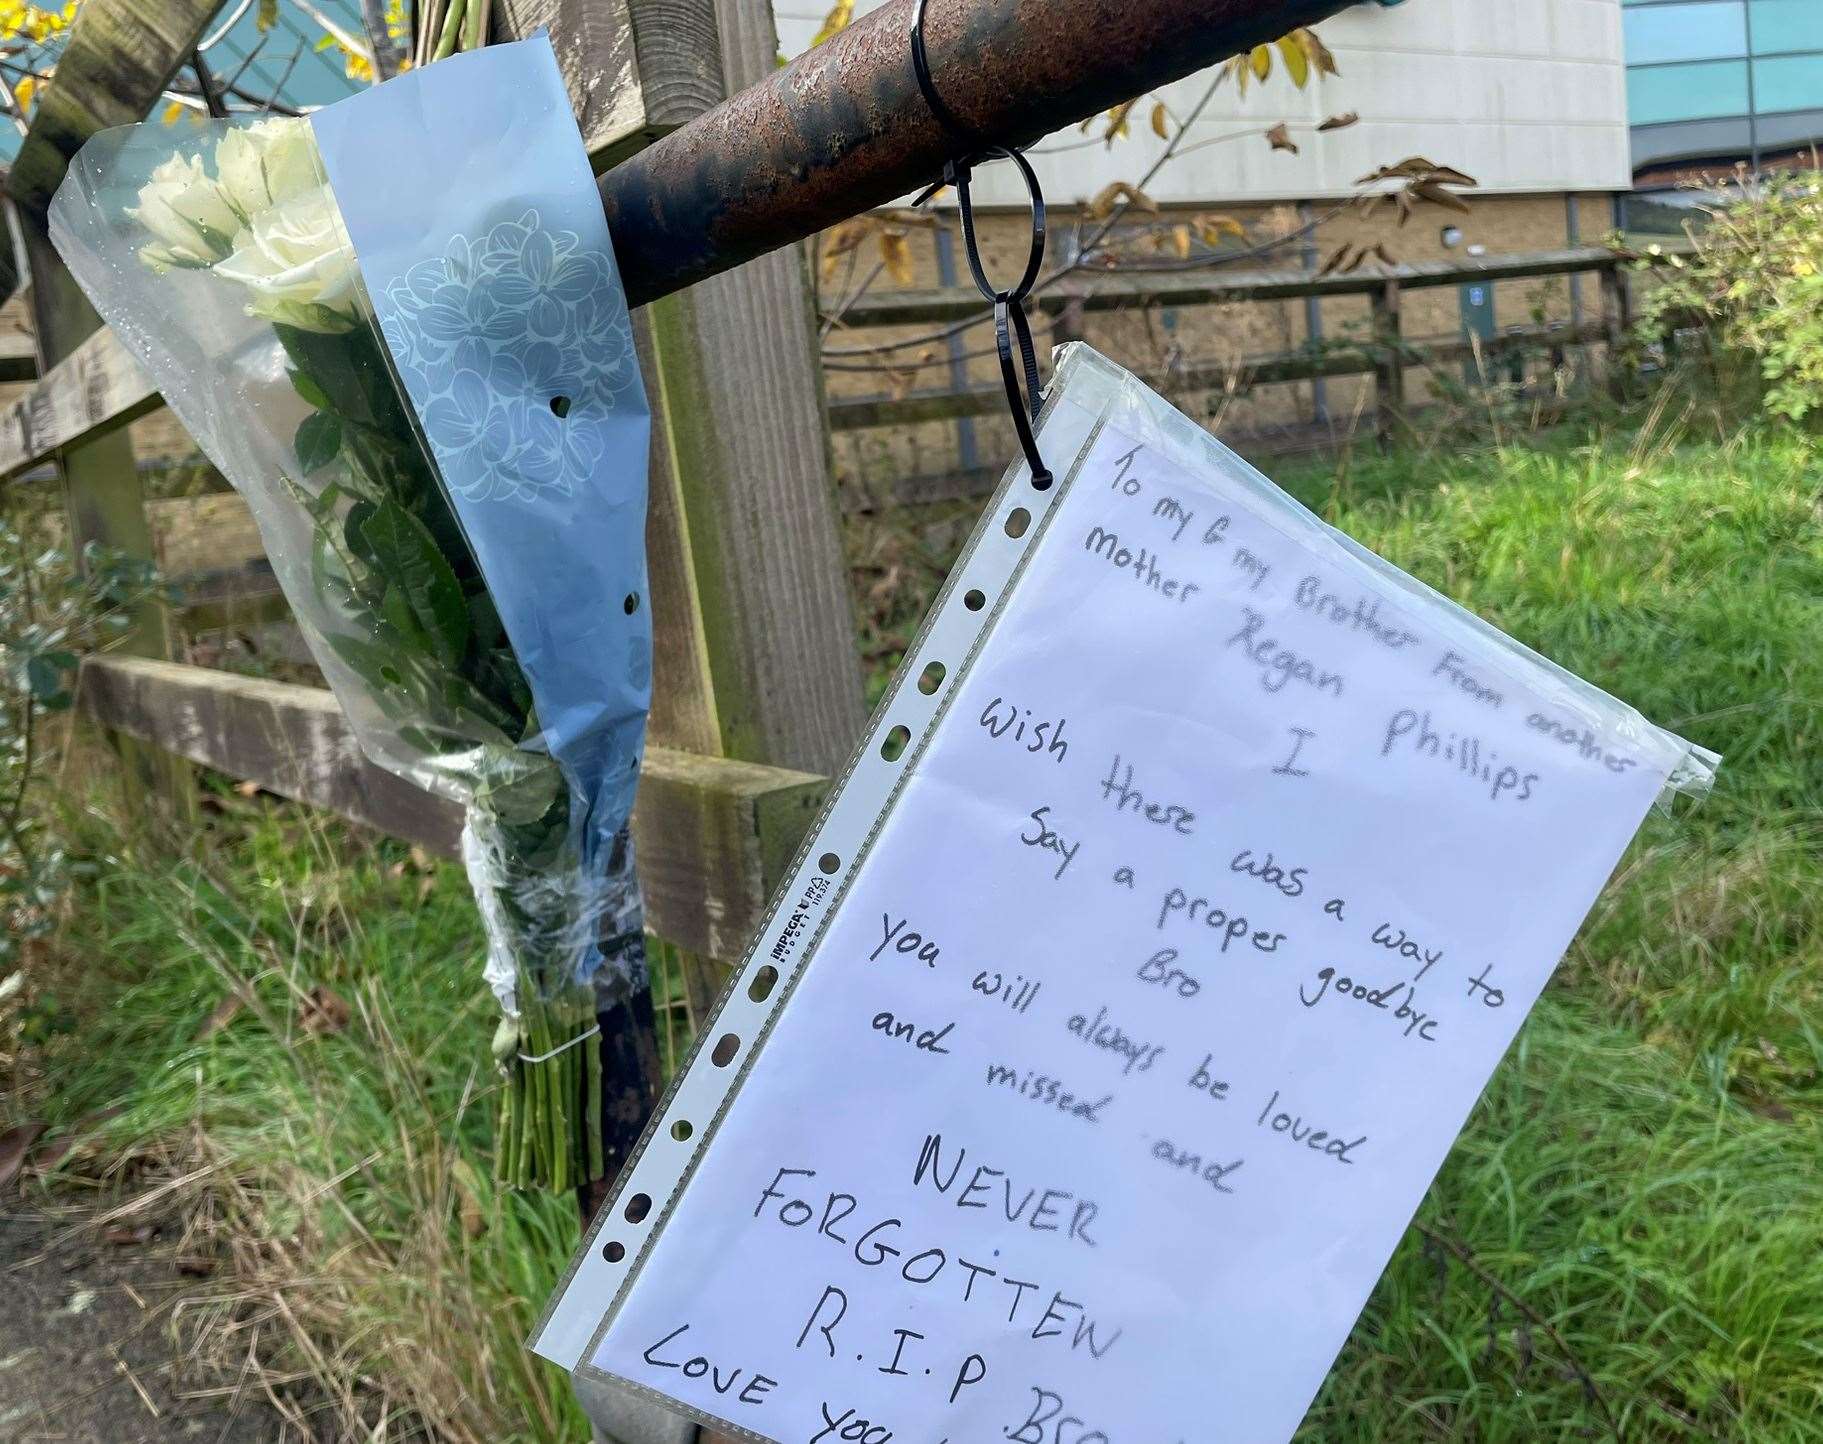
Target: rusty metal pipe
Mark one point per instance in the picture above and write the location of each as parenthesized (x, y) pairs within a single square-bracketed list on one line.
[(843, 128)]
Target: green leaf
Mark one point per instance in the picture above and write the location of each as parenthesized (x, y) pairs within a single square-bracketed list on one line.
[(330, 575), (375, 665), (398, 613), (474, 705), (403, 551), (318, 440), (310, 391), (351, 373), (358, 516)]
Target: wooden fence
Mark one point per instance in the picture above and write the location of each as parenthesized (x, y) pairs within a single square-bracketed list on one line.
[(1384, 358), (1384, 353)]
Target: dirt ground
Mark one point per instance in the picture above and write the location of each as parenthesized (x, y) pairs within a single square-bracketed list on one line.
[(88, 1350)]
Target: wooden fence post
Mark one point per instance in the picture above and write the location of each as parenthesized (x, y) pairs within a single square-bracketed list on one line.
[(120, 56), (101, 490), (753, 621), (752, 600), (634, 69), (1389, 361), (1617, 319), (1616, 302)]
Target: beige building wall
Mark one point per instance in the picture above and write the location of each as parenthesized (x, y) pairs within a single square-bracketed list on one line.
[(1528, 96)]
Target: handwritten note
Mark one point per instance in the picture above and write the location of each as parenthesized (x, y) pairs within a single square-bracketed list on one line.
[(1226, 877)]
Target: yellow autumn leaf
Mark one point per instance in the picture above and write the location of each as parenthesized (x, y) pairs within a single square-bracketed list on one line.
[(173, 113), (840, 16), (1261, 59), (839, 242), (1297, 63), (1117, 122), (1161, 120), (1434, 193), (1213, 228), (1114, 193), (24, 91), (1319, 53), (895, 252), (1180, 241), (267, 16)]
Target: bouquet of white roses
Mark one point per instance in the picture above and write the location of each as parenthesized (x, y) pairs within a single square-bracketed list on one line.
[(444, 446)]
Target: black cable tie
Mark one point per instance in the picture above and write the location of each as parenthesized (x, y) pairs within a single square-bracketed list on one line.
[(1011, 328)]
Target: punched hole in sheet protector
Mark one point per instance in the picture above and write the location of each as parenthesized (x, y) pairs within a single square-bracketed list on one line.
[(764, 981), (614, 1251), (974, 599), (893, 745), (931, 678), (683, 1130), (1017, 520), (725, 1048), (638, 1206)]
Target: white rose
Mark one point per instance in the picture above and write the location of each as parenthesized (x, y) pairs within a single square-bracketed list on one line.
[(187, 214), (265, 165), (299, 264)]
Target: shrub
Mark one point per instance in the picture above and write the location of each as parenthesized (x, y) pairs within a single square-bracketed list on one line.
[(1756, 278)]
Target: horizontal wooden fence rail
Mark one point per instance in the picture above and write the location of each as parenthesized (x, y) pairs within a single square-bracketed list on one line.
[(1113, 290), (1339, 359), (1384, 354), (713, 835), (18, 357), (95, 389)]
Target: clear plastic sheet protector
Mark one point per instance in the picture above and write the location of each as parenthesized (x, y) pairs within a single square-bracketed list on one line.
[(1104, 1040)]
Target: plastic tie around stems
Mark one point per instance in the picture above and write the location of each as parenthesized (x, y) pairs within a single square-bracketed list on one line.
[(1012, 331), (560, 1048)]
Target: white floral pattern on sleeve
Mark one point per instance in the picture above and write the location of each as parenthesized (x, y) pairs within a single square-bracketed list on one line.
[(515, 347)]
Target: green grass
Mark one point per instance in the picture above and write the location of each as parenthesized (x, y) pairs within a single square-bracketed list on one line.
[(1632, 1225)]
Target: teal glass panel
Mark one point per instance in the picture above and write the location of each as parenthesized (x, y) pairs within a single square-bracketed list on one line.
[(1700, 30), (1787, 25), (1788, 82), (1699, 91)]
